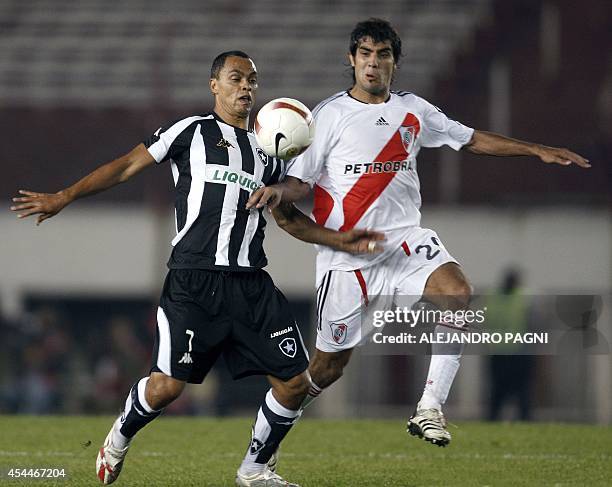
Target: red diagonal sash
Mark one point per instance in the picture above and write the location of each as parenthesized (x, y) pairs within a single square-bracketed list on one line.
[(369, 187)]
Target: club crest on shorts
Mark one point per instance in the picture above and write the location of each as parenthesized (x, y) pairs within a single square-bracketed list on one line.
[(339, 332), (288, 347), (407, 135)]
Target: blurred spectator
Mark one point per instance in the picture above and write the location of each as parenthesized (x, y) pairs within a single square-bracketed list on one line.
[(510, 375), (8, 397), (66, 356), (121, 361), (39, 358)]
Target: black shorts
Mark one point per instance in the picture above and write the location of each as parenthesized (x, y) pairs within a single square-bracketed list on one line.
[(243, 315)]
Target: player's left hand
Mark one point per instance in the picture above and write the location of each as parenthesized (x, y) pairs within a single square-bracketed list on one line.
[(565, 157), (361, 241), (266, 195)]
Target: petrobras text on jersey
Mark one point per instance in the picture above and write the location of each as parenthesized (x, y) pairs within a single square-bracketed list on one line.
[(376, 167), (223, 175)]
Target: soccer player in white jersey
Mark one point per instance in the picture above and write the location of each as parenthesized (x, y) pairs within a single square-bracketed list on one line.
[(362, 165)]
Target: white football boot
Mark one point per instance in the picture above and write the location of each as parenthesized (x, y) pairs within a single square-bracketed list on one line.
[(430, 425), (265, 479), (110, 460)]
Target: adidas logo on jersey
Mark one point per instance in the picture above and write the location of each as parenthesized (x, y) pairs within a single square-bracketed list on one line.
[(186, 359), (381, 121)]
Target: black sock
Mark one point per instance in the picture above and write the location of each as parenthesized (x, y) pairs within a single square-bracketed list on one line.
[(136, 414), (272, 424)]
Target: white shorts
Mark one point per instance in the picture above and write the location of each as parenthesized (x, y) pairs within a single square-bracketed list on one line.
[(399, 279)]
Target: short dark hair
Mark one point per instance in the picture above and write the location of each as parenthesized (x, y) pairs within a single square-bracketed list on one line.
[(219, 61), (378, 30)]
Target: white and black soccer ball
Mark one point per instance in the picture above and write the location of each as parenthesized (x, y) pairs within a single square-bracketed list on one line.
[(284, 128)]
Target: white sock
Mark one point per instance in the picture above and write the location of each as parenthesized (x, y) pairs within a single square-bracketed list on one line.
[(313, 393), (442, 371), (445, 359), (118, 440)]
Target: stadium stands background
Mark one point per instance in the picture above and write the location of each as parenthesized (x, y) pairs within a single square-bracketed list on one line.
[(81, 82)]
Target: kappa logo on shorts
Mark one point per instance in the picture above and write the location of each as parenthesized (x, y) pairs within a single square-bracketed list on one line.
[(186, 359), (339, 332), (288, 347)]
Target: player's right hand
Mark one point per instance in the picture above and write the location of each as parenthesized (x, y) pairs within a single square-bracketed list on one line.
[(45, 205), (361, 241), (267, 195)]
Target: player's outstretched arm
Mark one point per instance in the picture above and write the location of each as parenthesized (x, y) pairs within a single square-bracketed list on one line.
[(493, 144), (355, 241), (46, 205), (290, 190)]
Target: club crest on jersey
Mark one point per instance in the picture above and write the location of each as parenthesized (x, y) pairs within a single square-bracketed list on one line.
[(407, 135), (262, 155), (339, 332), (288, 347)]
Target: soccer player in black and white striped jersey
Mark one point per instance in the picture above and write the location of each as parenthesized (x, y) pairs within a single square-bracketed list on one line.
[(216, 298)]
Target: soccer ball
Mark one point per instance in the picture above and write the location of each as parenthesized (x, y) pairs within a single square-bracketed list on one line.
[(284, 128)]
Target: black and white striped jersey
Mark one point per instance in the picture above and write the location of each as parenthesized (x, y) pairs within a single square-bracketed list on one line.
[(216, 167)]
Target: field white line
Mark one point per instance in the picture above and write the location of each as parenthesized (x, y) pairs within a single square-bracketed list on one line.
[(7, 453), (374, 455)]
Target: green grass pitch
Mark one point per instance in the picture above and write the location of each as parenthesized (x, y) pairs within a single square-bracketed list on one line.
[(206, 452)]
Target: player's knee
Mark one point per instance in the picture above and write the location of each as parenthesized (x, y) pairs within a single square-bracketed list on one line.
[(162, 390)]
